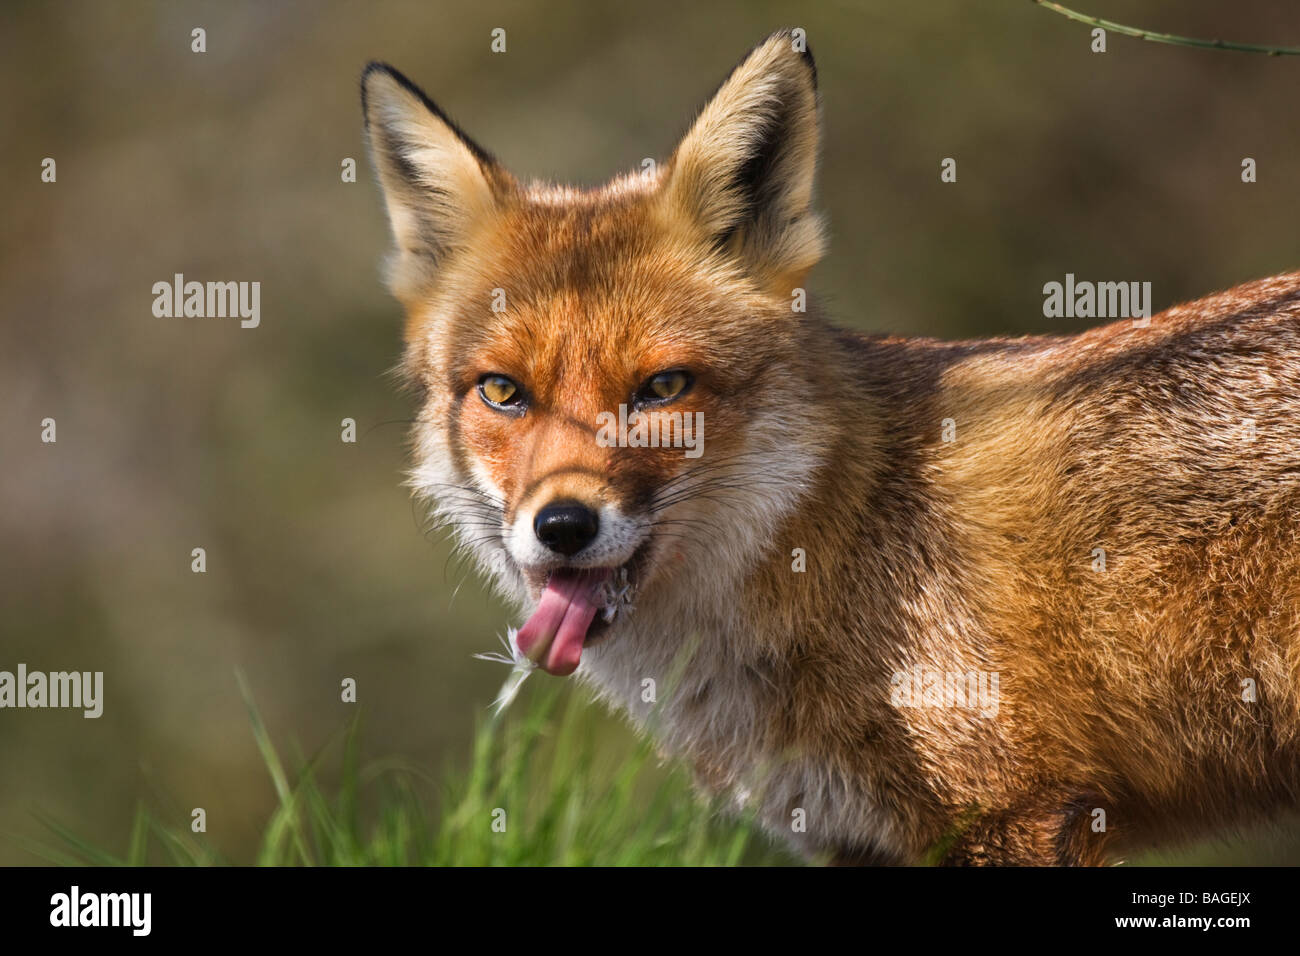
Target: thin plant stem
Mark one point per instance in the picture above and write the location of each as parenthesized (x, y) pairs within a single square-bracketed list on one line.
[(1169, 38)]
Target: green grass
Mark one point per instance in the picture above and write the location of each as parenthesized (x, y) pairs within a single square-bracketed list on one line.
[(568, 798), (573, 794)]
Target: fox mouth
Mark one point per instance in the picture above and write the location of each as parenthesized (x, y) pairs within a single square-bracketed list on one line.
[(576, 610)]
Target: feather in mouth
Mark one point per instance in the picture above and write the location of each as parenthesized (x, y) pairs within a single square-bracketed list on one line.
[(616, 595)]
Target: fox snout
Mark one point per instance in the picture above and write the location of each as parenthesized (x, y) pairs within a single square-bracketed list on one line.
[(582, 564), (566, 527), (591, 526)]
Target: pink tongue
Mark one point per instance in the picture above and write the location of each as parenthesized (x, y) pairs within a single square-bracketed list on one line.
[(553, 636)]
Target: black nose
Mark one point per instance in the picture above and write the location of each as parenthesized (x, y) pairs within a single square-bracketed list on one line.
[(566, 527)]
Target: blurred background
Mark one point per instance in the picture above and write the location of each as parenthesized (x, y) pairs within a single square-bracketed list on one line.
[(182, 433)]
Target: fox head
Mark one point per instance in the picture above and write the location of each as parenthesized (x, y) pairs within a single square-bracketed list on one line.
[(552, 333)]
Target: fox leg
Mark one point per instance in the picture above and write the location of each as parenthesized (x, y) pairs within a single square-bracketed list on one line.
[(1035, 835)]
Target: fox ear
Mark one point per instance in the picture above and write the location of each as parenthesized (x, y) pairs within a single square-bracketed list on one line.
[(437, 182), (743, 175)]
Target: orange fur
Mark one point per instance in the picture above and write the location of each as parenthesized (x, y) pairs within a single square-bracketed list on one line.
[(1121, 690)]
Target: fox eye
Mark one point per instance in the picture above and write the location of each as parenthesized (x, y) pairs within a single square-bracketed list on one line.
[(665, 387), (499, 392)]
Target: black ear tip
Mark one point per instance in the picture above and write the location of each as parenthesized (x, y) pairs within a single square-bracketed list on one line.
[(374, 66), (797, 44), (378, 66), (802, 48)]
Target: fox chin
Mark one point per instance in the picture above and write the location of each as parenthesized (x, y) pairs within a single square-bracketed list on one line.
[(1008, 601)]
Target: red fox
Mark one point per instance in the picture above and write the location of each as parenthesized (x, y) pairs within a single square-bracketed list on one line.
[(1011, 601)]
